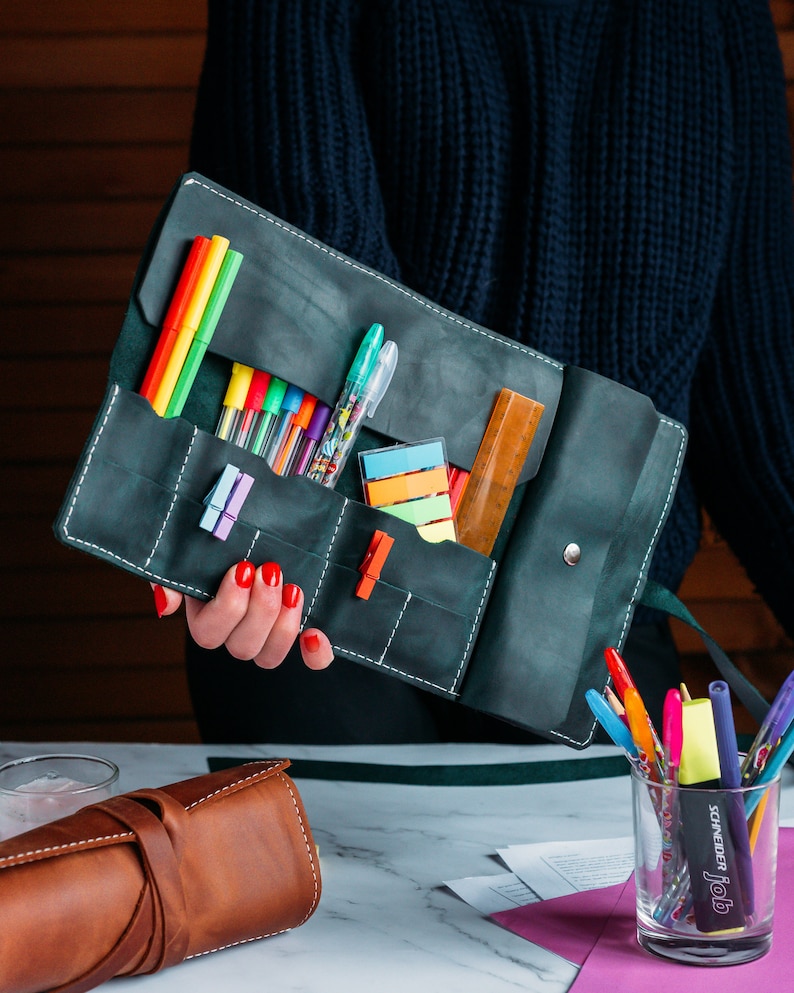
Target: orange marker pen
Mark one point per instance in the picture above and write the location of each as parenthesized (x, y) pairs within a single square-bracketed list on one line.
[(191, 318), (173, 318), (640, 728)]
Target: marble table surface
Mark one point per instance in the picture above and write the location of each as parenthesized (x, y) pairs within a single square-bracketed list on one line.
[(386, 922)]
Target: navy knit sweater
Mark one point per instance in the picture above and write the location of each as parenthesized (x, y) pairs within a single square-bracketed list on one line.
[(608, 181)]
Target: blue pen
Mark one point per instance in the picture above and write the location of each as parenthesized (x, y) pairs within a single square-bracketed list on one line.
[(290, 405), (775, 724), (611, 723), (730, 779), (773, 767)]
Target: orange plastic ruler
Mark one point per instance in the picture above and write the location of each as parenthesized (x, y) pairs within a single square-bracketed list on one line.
[(497, 467)]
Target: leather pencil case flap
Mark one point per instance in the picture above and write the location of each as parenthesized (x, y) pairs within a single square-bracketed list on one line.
[(298, 310)]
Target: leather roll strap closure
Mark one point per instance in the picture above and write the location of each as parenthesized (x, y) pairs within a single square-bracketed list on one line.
[(159, 924), (139, 882)]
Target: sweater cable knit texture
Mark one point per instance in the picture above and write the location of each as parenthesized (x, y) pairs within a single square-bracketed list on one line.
[(608, 181)]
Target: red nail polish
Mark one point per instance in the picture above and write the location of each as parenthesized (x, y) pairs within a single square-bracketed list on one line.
[(271, 573), (160, 600), (244, 575), (311, 642), (290, 595)]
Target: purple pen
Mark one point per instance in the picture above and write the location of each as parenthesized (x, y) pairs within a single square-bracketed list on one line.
[(307, 446), (774, 726), (730, 779)]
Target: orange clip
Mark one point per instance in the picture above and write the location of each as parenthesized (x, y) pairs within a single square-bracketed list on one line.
[(377, 553)]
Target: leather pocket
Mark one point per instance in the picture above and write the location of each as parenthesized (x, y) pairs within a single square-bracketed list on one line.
[(138, 497)]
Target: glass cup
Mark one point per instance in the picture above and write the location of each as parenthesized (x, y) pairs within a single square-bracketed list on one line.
[(705, 868), (41, 788)]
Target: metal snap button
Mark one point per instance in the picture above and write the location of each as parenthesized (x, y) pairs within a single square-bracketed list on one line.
[(571, 553)]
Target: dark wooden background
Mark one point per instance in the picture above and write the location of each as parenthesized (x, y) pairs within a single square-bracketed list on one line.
[(95, 109)]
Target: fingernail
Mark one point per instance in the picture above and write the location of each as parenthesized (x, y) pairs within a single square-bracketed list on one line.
[(160, 600), (244, 575), (311, 642), (271, 573), (291, 594)]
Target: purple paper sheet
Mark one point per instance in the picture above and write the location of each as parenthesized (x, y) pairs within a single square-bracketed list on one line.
[(596, 930)]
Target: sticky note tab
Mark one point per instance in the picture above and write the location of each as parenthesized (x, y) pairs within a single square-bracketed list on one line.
[(402, 459), (396, 489), (440, 531), (435, 508), (411, 482)]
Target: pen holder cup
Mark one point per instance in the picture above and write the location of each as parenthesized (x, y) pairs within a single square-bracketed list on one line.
[(705, 868)]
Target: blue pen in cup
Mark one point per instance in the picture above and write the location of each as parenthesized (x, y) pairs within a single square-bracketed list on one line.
[(611, 723)]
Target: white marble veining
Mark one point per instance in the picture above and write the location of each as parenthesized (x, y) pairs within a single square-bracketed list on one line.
[(385, 922)]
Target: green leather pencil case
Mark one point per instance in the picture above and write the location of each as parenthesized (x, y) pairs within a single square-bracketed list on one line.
[(519, 633)]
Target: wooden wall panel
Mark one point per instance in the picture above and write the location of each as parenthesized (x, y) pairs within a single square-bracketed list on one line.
[(96, 103)]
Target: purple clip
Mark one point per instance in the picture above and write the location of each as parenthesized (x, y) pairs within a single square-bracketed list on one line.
[(234, 504), (218, 497)]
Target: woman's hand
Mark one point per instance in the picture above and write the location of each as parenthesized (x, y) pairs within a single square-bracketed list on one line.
[(254, 614)]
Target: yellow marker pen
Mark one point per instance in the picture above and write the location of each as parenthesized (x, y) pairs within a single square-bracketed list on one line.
[(190, 322), (234, 401)]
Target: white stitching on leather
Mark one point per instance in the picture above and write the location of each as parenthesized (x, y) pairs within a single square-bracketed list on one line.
[(260, 772), (657, 529), (173, 498), (70, 846), (88, 460), (643, 567), (187, 587), (254, 540), (309, 852), (408, 675), (472, 629), (506, 342), (327, 561), (390, 639)]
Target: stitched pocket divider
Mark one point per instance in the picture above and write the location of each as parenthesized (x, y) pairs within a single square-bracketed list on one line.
[(421, 619)]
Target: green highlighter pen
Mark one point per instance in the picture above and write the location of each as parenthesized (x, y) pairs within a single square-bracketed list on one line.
[(209, 321)]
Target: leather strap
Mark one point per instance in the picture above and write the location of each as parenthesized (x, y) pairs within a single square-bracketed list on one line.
[(660, 598), (158, 934)]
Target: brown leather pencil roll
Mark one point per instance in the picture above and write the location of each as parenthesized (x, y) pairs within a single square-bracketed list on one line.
[(144, 880)]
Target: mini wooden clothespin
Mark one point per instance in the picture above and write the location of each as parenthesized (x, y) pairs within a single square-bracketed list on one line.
[(370, 569), (225, 500)]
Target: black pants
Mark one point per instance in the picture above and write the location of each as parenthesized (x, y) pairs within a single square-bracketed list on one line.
[(349, 704)]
